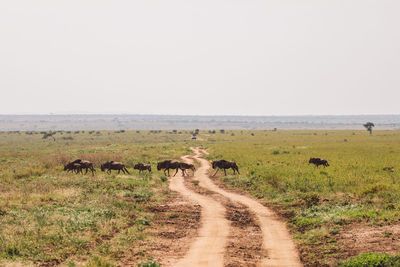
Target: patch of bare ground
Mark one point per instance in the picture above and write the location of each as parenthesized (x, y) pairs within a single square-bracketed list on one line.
[(359, 238), (244, 246), (172, 231)]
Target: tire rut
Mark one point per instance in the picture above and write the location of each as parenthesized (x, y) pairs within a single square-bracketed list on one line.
[(209, 245), (277, 241), (244, 245)]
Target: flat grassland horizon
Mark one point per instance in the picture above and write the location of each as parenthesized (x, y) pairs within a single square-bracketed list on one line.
[(190, 122)]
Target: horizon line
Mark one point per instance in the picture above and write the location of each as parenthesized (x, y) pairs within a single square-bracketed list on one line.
[(195, 115)]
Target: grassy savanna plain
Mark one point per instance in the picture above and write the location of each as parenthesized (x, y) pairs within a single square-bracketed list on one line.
[(49, 217), (361, 187)]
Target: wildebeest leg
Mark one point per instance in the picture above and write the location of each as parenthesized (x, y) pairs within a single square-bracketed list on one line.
[(123, 170), (119, 171), (126, 170), (177, 169), (216, 172), (87, 169)]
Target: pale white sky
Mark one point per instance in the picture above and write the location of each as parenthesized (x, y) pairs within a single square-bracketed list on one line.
[(247, 57)]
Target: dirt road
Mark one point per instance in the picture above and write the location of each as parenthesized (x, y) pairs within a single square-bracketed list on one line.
[(209, 247)]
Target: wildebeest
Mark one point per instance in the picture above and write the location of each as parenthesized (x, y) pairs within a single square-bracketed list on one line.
[(166, 165), (73, 167), (142, 167), (113, 165), (224, 164), (185, 166), (317, 162), (84, 164)]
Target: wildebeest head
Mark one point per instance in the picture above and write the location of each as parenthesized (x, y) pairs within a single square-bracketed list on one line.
[(69, 166), (159, 166), (213, 164), (102, 167)]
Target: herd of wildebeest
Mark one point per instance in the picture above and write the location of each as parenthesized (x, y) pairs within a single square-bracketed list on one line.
[(79, 165)]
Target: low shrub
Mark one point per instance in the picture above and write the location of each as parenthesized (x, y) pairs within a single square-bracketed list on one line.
[(372, 260)]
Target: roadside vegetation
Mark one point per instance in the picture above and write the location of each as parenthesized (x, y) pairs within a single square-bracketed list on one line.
[(50, 217), (361, 185)]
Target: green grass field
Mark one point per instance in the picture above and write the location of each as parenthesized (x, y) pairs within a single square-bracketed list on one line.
[(362, 183), (49, 217)]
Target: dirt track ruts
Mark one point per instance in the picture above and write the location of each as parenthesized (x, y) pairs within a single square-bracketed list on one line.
[(209, 246)]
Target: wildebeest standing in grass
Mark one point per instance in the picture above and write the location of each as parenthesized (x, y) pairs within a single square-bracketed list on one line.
[(113, 165), (185, 166), (224, 164), (73, 167), (317, 162), (85, 164), (166, 165), (142, 167)]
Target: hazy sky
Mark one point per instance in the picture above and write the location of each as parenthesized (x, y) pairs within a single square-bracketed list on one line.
[(247, 57)]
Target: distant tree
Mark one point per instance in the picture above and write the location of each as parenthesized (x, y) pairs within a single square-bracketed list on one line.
[(49, 134), (369, 126)]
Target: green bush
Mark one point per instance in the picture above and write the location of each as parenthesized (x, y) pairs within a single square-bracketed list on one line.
[(151, 263), (372, 260)]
